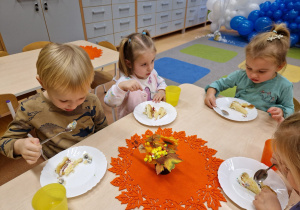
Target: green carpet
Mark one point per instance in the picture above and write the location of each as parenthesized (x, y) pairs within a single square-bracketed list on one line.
[(210, 53), (294, 52)]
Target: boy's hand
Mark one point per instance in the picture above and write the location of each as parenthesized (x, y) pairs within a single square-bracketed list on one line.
[(266, 199), (276, 113), (159, 96), (29, 148), (210, 99), (131, 85)]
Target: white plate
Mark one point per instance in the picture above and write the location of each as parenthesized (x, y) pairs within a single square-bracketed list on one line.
[(84, 177), (232, 168), (142, 118), (224, 103)]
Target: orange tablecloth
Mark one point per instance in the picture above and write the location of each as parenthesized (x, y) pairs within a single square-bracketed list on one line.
[(192, 183)]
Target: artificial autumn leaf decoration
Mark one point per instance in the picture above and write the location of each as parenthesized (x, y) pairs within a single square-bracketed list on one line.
[(161, 151)]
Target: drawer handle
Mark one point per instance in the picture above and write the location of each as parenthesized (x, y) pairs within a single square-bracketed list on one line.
[(164, 4), (179, 2), (147, 19), (177, 24), (124, 8), (202, 8), (164, 16), (127, 22), (97, 12), (178, 13), (191, 20), (99, 27), (149, 5), (192, 10), (193, 0), (163, 27)]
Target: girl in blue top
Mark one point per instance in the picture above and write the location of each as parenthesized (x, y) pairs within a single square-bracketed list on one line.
[(260, 84), (286, 156)]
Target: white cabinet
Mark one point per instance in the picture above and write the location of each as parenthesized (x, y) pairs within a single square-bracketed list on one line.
[(196, 12), (26, 21)]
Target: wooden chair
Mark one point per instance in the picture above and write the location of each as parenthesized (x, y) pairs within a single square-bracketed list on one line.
[(112, 47), (35, 45), (296, 105), (3, 53), (11, 168)]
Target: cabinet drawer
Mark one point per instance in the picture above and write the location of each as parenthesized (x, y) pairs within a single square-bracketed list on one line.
[(146, 20), (124, 24), (123, 10), (178, 4), (203, 2), (99, 29), (92, 3), (163, 17), (96, 14), (163, 5), (146, 7), (191, 21), (122, 1), (202, 11), (178, 14), (108, 38), (177, 25), (162, 28), (151, 30), (193, 3), (201, 20), (121, 35), (192, 12)]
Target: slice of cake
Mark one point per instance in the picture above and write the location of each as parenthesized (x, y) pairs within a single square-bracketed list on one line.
[(238, 107), (66, 166)]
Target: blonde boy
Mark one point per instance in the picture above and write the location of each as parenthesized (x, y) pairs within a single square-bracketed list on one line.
[(66, 73)]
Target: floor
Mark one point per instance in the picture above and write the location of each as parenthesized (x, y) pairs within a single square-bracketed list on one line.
[(163, 43)]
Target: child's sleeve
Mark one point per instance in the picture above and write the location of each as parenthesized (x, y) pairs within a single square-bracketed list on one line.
[(225, 83), (100, 120), (115, 96), (17, 129), (285, 102), (161, 84)]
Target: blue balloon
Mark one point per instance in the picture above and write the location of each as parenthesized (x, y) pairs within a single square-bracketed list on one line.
[(279, 21), (293, 27), (294, 38), (274, 6), (265, 6), (293, 14), (286, 17), (269, 14), (262, 14), (251, 35), (281, 6), (263, 24), (277, 14), (286, 23), (297, 20), (297, 6), (245, 27), (235, 21), (290, 6), (254, 15)]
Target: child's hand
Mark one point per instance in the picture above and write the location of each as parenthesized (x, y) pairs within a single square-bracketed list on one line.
[(210, 99), (266, 199), (159, 96), (131, 85), (29, 148), (276, 113)]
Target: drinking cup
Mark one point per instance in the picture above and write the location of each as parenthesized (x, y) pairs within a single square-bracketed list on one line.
[(50, 197), (267, 154), (172, 94)]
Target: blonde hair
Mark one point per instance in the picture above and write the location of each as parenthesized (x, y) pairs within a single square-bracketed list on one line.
[(65, 67), (276, 49), (131, 47), (287, 144)]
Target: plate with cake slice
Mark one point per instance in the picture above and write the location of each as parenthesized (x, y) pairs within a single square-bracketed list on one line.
[(155, 114), (79, 169), (238, 109), (236, 179)]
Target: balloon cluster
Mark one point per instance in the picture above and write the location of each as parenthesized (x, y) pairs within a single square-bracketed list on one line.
[(260, 15)]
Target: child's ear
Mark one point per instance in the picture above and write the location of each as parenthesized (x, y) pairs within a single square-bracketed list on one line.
[(40, 81), (128, 63), (282, 66)]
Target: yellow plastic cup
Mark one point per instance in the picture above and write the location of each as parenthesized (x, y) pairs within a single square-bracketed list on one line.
[(50, 197), (172, 94)]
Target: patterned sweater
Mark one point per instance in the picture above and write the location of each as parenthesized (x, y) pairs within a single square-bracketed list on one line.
[(40, 115)]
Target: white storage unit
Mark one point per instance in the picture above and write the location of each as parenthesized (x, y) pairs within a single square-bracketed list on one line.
[(196, 12)]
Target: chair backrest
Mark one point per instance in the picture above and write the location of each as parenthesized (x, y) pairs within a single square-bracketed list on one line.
[(35, 45), (108, 45), (3, 53), (296, 105), (4, 108)]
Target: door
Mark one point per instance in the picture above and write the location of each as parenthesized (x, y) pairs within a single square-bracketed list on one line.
[(63, 20), (21, 24)]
